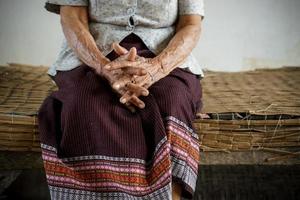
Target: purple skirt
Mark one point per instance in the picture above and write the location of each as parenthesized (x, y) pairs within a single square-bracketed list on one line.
[(95, 148)]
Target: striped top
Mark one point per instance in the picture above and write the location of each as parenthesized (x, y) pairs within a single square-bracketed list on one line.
[(112, 20)]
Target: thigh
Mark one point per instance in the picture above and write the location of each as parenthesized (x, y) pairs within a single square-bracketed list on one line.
[(93, 121), (179, 94)]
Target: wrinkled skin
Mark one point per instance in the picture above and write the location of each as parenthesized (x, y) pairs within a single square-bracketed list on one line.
[(74, 21), (129, 75), (187, 33)]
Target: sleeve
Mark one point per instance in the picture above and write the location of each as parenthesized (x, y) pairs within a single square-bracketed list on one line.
[(186, 7), (54, 5)]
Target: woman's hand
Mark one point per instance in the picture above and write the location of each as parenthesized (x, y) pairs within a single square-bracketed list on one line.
[(74, 20), (178, 49), (119, 79), (151, 66)]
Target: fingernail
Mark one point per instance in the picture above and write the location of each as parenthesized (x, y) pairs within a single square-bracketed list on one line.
[(142, 106), (145, 93), (122, 100), (117, 86), (107, 67), (132, 110)]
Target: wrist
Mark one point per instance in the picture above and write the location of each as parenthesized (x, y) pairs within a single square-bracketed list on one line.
[(162, 64), (156, 72), (99, 66)]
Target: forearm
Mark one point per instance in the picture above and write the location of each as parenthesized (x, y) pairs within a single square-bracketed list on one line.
[(79, 38), (179, 48)]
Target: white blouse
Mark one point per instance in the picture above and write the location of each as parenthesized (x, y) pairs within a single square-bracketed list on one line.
[(112, 20)]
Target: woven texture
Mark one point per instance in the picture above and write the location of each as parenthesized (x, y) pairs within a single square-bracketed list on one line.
[(257, 110), (265, 92), (22, 90)]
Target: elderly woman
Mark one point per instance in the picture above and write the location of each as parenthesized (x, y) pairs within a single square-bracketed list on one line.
[(120, 125)]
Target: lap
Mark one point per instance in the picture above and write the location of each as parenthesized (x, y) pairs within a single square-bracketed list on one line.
[(178, 83), (87, 119), (179, 93)]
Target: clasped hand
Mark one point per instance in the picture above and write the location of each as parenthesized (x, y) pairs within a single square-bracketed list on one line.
[(130, 75)]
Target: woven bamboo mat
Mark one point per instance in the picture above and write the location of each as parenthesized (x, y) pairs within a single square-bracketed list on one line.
[(257, 110), (265, 92), (23, 88), (252, 111), (22, 91)]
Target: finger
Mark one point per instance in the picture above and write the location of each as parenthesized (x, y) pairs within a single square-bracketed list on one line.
[(137, 102), (133, 99), (119, 49), (121, 83), (137, 90), (132, 54), (126, 97), (146, 85), (130, 107), (121, 64), (144, 81), (135, 71)]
